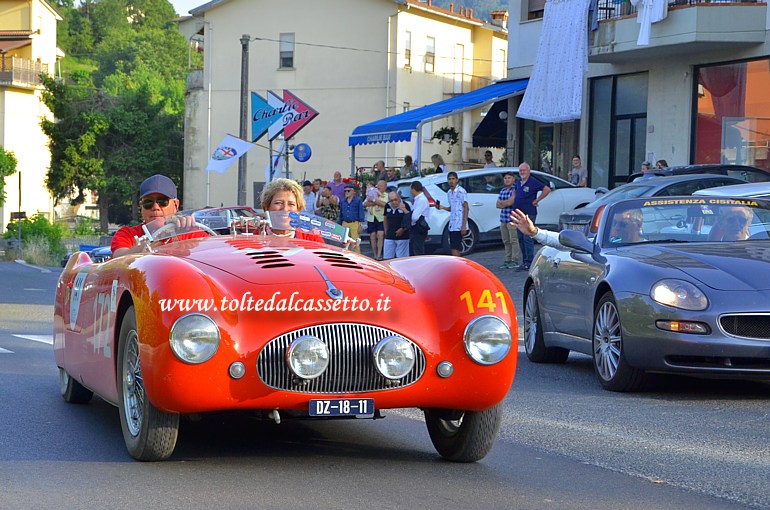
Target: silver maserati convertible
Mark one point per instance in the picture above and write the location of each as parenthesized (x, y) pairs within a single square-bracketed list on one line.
[(669, 284)]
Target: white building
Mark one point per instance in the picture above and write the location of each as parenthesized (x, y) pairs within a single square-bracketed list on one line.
[(353, 61), (27, 49), (695, 93)]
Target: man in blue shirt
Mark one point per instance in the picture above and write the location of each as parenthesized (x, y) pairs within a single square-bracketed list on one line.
[(507, 229), (352, 214), (526, 200)]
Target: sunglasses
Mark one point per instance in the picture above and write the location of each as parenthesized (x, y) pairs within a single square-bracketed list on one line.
[(625, 223), (150, 202), (348, 191)]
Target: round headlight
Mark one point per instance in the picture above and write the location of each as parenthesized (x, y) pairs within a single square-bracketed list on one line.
[(487, 340), (679, 294), (307, 357), (393, 357), (194, 338)]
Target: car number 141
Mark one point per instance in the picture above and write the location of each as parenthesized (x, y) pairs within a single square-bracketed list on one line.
[(342, 407)]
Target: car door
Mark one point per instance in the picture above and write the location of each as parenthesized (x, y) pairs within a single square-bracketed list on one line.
[(483, 190), (570, 289)]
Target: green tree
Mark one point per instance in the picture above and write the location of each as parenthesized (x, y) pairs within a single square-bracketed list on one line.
[(7, 167), (76, 162)]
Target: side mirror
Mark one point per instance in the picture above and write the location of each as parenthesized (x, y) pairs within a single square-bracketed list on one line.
[(576, 240)]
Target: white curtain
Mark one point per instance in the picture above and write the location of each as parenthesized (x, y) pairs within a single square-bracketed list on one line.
[(555, 89), (647, 13)]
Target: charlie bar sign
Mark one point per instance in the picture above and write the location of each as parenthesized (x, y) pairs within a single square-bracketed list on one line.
[(276, 115)]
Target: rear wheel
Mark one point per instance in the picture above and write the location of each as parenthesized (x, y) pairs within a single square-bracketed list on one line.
[(71, 390), (614, 373), (149, 433), (470, 240), (463, 436), (534, 344)]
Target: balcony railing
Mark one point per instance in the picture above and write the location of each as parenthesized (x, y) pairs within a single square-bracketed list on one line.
[(20, 71), (612, 9)]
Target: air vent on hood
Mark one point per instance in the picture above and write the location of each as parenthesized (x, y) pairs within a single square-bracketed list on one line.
[(338, 259), (269, 259)]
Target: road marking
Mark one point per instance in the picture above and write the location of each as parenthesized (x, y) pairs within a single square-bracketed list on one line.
[(45, 339), (5, 351), (37, 290)]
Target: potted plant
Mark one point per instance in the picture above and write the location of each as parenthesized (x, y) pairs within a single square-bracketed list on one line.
[(446, 134)]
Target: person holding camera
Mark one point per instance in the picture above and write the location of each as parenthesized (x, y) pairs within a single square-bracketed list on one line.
[(458, 213), (420, 219)]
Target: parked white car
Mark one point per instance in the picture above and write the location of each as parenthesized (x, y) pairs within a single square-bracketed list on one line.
[(483, 187)]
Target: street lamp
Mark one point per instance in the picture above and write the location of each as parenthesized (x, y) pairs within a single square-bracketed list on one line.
[(245, 39)]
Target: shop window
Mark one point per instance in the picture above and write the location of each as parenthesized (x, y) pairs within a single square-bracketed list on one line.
[(732, 123)]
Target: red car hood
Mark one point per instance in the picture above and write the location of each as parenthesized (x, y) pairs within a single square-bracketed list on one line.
[(270, 261)]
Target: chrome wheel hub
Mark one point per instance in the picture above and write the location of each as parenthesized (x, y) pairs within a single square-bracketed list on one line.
[(607, 341)]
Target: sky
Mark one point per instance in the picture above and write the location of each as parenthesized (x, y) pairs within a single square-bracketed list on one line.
[(183, 6)]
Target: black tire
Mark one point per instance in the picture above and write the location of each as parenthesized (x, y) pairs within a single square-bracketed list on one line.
[(149, 433), (463, 436), (71, 390), (612, 369), (470, 239), (534, 344)]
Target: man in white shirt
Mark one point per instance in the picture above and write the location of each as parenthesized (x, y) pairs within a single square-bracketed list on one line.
[(309, 196), (458, 213), (421, 208), (488, 163)]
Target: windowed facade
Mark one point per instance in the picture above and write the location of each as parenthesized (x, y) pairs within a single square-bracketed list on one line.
[(408, 50), (732, 119), (430, 55), (618, 129), (549, 147), (286, 51)]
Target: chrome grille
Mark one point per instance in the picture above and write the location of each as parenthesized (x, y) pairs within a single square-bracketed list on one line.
[(756, 325), (351, 368)]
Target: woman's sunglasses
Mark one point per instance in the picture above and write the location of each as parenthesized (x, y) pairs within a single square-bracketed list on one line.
[(150, 202)]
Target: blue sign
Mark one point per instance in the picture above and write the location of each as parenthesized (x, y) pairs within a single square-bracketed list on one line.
[(302, 152)]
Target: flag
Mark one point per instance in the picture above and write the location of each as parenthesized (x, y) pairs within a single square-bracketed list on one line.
[(227, 153), (275, 167)]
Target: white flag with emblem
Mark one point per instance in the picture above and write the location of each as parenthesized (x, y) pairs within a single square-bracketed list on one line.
[(227, 153)]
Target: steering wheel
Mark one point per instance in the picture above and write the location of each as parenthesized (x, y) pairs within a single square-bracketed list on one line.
[(169, 226)]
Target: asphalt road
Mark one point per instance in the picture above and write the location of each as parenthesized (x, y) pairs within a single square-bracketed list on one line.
[(565, 442)]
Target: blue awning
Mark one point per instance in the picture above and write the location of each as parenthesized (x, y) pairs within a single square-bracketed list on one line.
[(399, 128)]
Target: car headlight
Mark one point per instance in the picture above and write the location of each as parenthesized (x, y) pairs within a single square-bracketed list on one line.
[(194, 338), (679, 294), (307, 357), (487, 339), (393, 357)]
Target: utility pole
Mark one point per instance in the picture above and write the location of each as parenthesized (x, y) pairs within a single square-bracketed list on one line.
[(245, 39), (19, 224)]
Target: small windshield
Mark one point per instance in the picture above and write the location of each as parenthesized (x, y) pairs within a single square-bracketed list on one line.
[(173, 227), (687, 220)]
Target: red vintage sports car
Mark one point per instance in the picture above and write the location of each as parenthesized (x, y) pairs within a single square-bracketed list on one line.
[(287, 328)]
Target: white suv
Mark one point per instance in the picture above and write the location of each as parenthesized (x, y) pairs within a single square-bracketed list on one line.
[(483, 187)]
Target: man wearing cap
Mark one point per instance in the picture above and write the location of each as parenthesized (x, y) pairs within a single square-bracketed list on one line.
[(158, 199), (352, 214), (310, 197)]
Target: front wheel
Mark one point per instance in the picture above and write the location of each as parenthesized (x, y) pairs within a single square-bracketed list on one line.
[(71, 390), (149, 433), (534, 343), (612, 369), (463, 436)]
